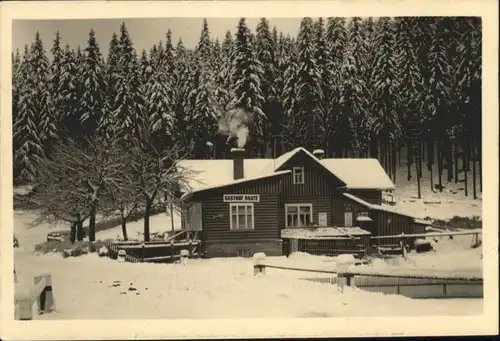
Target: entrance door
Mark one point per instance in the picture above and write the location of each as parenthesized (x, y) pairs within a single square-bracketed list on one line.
[(348, 219)]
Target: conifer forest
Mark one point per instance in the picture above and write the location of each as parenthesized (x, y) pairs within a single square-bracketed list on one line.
[(404, 90)]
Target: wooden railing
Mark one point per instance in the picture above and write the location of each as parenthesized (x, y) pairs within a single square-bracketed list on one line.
[(409, 285)]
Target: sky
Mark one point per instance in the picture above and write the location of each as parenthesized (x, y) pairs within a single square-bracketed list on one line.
[(144, 32)]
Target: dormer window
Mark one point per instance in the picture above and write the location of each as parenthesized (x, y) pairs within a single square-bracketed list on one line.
[(298, 175)]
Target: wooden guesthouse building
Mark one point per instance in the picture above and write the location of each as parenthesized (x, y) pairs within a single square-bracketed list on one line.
[(299, 201)]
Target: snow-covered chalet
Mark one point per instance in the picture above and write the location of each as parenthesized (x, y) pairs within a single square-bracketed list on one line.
[(299, 201)]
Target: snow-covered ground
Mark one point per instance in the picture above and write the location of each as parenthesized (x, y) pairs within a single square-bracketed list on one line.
[(437, 205), (89, 287)]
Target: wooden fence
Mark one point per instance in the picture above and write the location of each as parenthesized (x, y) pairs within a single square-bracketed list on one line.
[(409, 285)]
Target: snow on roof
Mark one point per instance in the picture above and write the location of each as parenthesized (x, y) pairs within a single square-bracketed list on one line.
[(323, 232), (355, 173), (234, 182), (423, 222), (280, 161), (385, 208), (208, 173), (362, 218), (359, 173)]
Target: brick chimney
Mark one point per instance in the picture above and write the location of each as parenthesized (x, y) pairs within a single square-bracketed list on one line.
[(319, 153), (238, 154)]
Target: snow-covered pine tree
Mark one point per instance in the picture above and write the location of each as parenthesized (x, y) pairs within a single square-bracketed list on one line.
[(410, 93), (128, 115), (92, 102), (352, 119), (438, 92), (56, 99), (160, 107), (204, 48), (25, 132), (203, 110), (16, 86), (224, 92), (68, 89), (357, 47), (246, 86), (39, 66), (181, 78), (291, 134), (308, 87), (326, 107), (385, 125), (469, 85), (336, 37), (112, 74), (266, 54)]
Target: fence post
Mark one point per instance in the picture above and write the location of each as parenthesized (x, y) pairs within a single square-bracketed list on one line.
[(121, 255), (343, 277), (184, 256), (46, 296), (143, 250), (258, 266)]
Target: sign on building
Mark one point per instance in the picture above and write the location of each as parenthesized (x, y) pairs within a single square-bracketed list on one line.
[(241, 198)]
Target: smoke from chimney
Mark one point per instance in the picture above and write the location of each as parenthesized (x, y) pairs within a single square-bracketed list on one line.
[(235, 124)]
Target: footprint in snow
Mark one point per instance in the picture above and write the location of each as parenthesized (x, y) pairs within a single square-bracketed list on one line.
[(132, 289)]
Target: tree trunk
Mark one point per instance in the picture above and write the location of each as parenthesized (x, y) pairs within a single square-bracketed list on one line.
[(449, 159), (455, 156), (473, 148), (172, 218), (409, 157), (72, 234), (92, 224), (480, 156), (464, 163), (394, 160), (418, 181), (147, 213), (80, 234), (124, 228), (374, 148), (440, 164), (430, 161)]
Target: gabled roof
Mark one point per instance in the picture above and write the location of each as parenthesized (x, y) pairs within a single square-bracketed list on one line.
[(234, 182), (355, 173)]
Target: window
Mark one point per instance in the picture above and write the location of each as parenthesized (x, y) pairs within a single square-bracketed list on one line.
[(298, 215), (242, 216), (347, 215), (298, 175)]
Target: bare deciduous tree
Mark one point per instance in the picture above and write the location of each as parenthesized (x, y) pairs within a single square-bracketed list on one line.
[(159, 175)]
